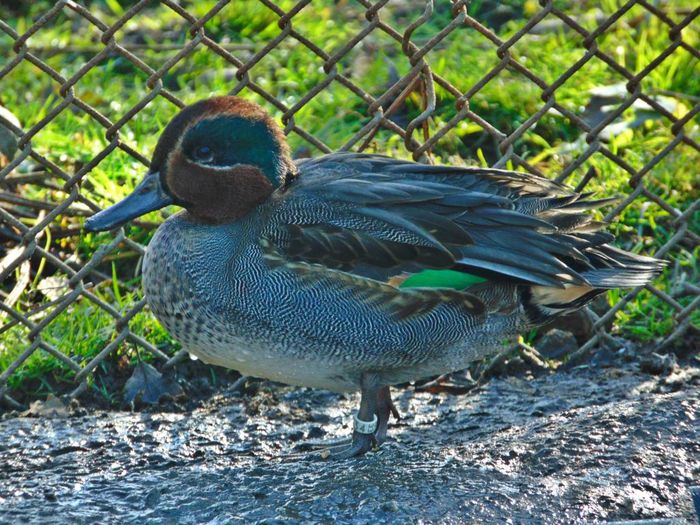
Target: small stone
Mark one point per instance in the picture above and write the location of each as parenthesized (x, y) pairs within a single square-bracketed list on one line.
[(149, 385), (325, 453), (295, 435), (319, 418), (152, 499), (578, 323), (200, 386), (390, 506), (605, 357), (556, 344), (315, 432), (546, 407), (53, 407), (658, 364), (514, 366)]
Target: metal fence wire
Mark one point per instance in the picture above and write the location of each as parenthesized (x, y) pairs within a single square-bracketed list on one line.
[(29, 226)]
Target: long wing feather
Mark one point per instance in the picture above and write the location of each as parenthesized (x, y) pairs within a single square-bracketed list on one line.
[(375, 217)]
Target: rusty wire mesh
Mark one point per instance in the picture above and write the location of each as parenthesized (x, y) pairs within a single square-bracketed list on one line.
[(72, 199)]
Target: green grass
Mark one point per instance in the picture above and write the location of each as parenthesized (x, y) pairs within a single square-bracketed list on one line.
[(289, 71)]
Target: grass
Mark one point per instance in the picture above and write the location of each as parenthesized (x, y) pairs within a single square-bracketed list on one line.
[(114, 85)]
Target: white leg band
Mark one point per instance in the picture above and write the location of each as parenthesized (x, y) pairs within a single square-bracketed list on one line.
[(365, 427)]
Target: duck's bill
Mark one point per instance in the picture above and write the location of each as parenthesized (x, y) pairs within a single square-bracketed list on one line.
[(149, 195)]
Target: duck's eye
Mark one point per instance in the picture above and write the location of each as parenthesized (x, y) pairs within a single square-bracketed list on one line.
[(203, 154)]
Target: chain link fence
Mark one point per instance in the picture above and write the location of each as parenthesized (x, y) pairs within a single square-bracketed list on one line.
[(41, 207)]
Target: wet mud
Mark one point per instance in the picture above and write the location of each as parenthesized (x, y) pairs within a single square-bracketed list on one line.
[(588, 445)]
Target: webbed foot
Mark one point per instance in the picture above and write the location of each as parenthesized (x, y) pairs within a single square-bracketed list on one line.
[(369, 430), (370, 424), (320, 444), (360, 444)]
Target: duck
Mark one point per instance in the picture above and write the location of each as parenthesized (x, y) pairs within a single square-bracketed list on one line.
[(352, 271)]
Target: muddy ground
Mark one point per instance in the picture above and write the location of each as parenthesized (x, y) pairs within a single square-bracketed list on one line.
[(591, 444)]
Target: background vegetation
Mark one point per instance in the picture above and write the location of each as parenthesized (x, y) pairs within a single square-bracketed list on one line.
[(289, 71)]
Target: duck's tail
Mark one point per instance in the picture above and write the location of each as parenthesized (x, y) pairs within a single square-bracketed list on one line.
[(612, 268)]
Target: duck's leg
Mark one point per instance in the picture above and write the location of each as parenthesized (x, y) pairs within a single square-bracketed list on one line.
[(365, 422), (385, 409)]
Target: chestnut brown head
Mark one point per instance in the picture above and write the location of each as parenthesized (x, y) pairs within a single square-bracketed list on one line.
[(218, 158)]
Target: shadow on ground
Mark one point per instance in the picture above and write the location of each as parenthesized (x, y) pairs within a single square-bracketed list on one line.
[(587, 445)]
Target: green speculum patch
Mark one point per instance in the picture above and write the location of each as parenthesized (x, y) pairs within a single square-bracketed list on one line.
[(441, 279)]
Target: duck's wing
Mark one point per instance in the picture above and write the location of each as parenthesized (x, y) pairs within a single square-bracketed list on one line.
[(378, 218)]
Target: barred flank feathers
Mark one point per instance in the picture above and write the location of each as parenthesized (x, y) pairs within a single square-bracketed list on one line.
[(378, 218)]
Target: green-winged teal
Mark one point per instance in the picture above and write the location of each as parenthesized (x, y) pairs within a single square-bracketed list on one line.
[(353, 271)]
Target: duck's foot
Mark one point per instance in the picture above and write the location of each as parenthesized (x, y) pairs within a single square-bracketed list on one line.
[(371, 422), (360, 444), (384, 409), (320, 444)]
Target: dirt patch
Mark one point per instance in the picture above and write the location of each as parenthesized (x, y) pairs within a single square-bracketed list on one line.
[(592, 444)]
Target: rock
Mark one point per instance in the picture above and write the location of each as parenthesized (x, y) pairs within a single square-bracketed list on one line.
[(200, 386), (604, 357), (658, 364), (152, 499), (556, 344), (680, 378), (547, 406), (315, 432), (53, 407), (149, 385), (578, 323), (390, 506)]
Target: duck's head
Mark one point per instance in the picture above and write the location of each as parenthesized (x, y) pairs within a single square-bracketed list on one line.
[(218, 158)]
